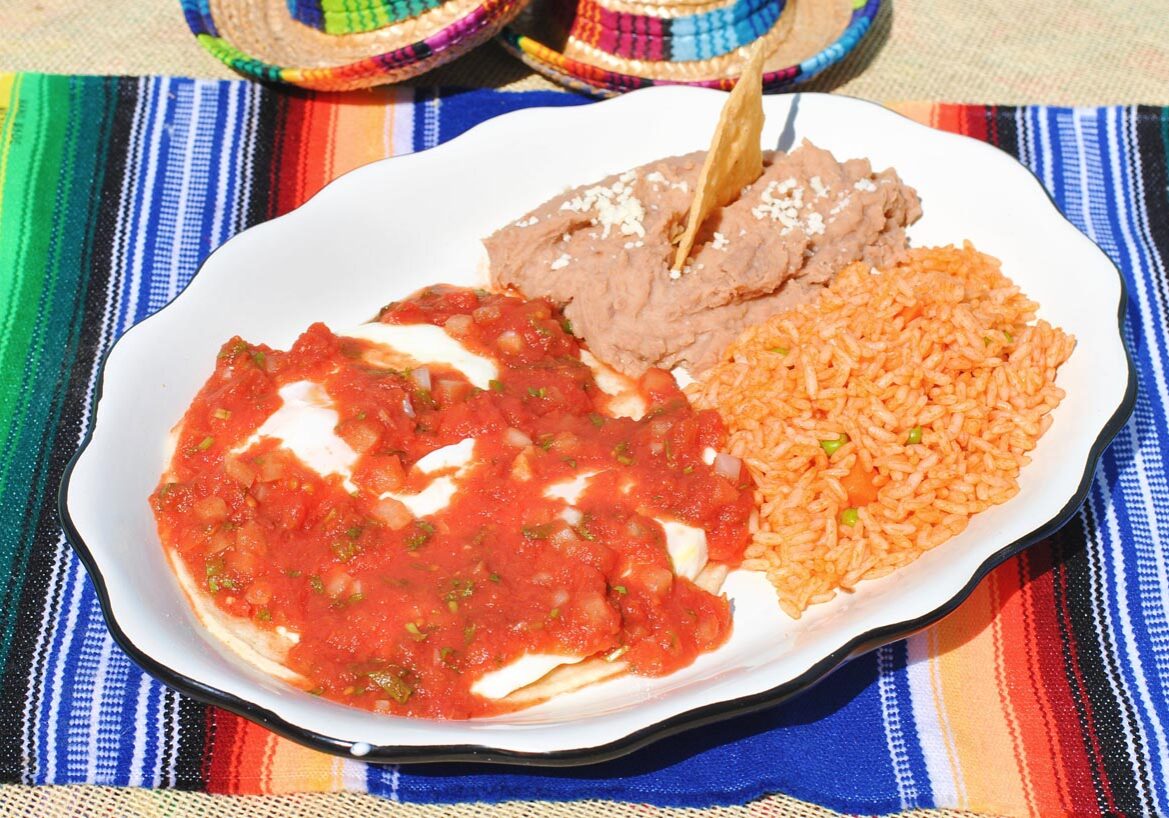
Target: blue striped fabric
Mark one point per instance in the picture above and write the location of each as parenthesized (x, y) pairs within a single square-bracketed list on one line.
[(89, 715)]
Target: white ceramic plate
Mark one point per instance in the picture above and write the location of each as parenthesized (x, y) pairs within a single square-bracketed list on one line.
[(388, 228)]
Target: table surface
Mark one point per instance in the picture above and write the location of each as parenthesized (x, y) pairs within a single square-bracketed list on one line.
[(1091, 52)]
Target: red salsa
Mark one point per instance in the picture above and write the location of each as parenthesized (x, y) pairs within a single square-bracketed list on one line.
[(402, 614)]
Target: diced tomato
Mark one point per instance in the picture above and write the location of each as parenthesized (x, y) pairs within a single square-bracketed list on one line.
[(858, 483)]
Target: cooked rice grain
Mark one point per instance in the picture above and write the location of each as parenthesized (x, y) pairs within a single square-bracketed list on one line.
[(944, 342)]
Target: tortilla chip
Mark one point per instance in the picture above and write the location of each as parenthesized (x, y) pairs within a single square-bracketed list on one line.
[(735, 158)]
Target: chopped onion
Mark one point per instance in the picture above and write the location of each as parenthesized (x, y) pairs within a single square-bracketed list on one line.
[(661, 426), (458, 325), (572, 515), (339, 583), (211, 509), (259, 593), (408, 407), (595, 611), (448, 392), (563, 537), (728, 466), (239, 471), (515, 437), (486, 313), (510, 341), (271, 469), (392, 512), (656, 580), (421, 376), (361, 436)]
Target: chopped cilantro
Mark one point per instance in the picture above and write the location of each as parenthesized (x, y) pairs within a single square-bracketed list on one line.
[(392, 684), (422, 532), (345, 550)]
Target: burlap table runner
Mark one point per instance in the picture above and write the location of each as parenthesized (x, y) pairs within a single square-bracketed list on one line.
[(72, 802)]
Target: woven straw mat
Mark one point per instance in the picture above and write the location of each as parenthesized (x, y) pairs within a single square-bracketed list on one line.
[(1088, 53)]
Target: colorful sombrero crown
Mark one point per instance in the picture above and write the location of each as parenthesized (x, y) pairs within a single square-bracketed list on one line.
[(608, 46), (342, 44)]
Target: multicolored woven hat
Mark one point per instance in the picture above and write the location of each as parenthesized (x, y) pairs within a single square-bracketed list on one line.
[(605, 47), (336, 45)]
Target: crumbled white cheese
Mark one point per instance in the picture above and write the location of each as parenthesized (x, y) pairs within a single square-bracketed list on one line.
[(840, 205), (720, 242), (657, 178), (566, 237), (865, 185), (561, 262), (615, 206), (675, 274), (633, 245), (781, 202), (528, 222), (814, 224), (818, 187)]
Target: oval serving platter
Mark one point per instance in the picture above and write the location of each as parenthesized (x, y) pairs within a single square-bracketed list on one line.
[(388, 228)]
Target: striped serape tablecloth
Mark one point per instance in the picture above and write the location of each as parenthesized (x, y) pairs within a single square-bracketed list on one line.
[(1045, 693)]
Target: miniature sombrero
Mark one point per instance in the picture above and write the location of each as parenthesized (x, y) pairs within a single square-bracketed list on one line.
[(605, 47), (336, 45)]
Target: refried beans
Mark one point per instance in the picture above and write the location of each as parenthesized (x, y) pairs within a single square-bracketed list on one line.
[(603, 252)]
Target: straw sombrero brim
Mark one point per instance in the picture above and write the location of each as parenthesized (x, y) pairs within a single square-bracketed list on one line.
[(528, 38), (260, 39)]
